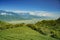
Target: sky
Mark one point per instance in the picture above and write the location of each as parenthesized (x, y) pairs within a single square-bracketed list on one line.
[(35, 7)]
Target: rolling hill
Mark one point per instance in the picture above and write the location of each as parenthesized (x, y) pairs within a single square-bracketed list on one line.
[(42, 30), (22, 33)]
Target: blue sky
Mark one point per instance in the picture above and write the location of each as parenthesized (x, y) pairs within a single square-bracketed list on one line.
[(31, 5)]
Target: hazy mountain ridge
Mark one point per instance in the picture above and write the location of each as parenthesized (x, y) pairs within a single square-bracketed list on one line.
[(8, 16)]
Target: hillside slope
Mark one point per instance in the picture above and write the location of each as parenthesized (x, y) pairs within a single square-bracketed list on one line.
[(22, 33), (42, 30)]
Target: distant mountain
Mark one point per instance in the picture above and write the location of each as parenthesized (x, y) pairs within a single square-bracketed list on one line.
[(9, 16)]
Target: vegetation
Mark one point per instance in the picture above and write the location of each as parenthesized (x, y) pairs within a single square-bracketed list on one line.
[(42, 30)]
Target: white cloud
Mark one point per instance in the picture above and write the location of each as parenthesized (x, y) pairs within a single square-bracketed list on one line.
[(38, 13), (5, 14), (41, 13), (19, 11)]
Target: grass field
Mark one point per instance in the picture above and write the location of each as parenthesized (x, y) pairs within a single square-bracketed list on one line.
[(22, 33)]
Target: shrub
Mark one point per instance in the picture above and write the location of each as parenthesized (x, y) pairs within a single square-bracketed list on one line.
[(31, 26)]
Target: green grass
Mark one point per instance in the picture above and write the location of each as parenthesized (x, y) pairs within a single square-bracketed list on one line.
[(22, 33)]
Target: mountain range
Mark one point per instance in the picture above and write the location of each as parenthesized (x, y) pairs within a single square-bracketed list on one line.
[(9, 16)]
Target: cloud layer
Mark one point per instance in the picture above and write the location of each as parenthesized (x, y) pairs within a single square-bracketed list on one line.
[(40, 13)]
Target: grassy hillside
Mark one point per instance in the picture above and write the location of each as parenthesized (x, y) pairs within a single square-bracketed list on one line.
[(42, 30), (22, 33)]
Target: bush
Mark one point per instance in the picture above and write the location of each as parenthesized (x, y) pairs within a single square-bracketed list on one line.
[(19, 25)]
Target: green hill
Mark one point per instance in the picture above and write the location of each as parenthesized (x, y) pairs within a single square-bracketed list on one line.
[(22, 33), (42, 30)]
